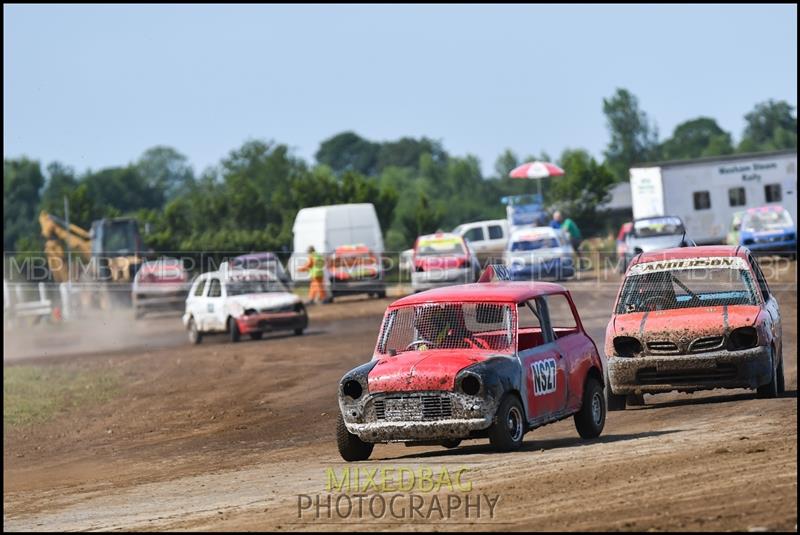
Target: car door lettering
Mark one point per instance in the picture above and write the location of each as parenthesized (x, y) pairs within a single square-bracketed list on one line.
[(544, 376)]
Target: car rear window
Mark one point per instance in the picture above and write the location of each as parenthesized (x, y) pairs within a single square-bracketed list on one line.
[(448, 326), (440, 246), (532, 245), (686, 283), (658, 226)]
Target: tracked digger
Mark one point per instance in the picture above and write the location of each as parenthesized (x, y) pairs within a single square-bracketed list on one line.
[(104, 259)]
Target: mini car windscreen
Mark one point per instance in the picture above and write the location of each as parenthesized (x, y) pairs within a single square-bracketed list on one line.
[(432, 326), (686, 283), (767, 220), (657, 226), (259, 286), (440, 247)]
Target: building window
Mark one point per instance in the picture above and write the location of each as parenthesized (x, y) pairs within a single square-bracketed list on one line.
[(737, 197), (702, 200), (772, 192)]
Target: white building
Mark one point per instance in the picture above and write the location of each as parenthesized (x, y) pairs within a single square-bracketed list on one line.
[(706, 192)]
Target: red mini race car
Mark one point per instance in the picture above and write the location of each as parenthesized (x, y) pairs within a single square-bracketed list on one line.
[(693, 318), (492, 359)]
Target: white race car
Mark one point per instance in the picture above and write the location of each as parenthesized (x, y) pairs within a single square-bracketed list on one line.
[(241, 301)]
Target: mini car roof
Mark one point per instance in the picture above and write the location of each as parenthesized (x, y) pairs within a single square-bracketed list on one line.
[(482, 292), (691, 252)]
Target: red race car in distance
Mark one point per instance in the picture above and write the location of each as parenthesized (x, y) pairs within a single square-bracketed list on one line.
[(693, 318), (491, 359)]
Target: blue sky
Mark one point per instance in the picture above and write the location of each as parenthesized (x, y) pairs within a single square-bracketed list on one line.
[(94, 86)]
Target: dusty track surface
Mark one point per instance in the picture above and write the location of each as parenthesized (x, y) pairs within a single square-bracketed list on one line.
[(226, 436)]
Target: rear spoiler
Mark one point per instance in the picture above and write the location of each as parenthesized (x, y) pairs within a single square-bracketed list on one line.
[(495, 273)]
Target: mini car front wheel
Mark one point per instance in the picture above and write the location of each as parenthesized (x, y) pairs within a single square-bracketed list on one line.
[(770, 390), (351, 448), (589, 421), (233, 330), (506, 433), (195, 336)]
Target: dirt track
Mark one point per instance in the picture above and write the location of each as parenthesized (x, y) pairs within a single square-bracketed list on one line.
[(227, 436)]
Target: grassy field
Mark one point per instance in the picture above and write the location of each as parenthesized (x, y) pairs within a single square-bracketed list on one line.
[(33, 394)]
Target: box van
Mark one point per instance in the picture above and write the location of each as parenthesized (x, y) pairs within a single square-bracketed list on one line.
[(706, 192), (328, 227), (487, 238)]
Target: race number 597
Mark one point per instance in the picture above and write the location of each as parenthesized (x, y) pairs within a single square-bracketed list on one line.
[(544, 376)]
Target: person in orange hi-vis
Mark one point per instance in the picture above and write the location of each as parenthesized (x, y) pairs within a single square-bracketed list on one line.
[(316, 270)]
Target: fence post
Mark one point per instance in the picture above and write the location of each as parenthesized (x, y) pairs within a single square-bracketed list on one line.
[(66, 309)]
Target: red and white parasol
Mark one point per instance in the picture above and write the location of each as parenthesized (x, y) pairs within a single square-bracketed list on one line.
[(536, 170)]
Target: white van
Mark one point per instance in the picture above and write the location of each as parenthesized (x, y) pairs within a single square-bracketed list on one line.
[(486, 237), (329, 227)]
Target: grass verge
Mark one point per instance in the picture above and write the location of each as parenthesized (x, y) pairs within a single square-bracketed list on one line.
[(34, 394)]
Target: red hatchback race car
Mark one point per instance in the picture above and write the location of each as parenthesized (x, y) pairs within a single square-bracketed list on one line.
[(492, 359), (693, 318)]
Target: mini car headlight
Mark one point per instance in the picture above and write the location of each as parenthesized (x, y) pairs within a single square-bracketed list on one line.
[(470, 384), (627, 346), (352, 388), (742, 338)]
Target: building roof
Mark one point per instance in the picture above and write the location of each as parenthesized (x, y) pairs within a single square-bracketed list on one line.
[(482, 292), (710, 159)]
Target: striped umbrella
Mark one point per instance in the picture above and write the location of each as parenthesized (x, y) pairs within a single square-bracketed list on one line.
[(536, 170)]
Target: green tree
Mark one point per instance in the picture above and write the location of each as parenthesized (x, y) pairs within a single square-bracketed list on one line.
[(348, 151), (22, 182), (505, 163), (585, 185), (165, 170), (771, 125), (61, 182), (420, 216), (695, 138), (406, 152), (633, 138)]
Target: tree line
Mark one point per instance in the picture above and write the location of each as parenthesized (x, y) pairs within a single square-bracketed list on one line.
[(248, 201)]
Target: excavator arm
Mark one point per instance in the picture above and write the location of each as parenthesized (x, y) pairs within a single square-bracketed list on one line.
[(56, 231)]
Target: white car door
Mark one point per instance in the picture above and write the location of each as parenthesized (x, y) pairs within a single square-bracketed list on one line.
[(497, 238), (476, 236), (214, 319), (195, 303)]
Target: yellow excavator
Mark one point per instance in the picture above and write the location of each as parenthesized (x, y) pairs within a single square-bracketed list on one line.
[(108, 255)]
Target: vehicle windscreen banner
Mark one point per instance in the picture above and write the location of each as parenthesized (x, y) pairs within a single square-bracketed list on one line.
[(717, 262)]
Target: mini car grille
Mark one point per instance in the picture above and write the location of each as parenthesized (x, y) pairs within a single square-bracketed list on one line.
[(662, 346), (707, 343), (651, 376), (413, 407), (284, 308)]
